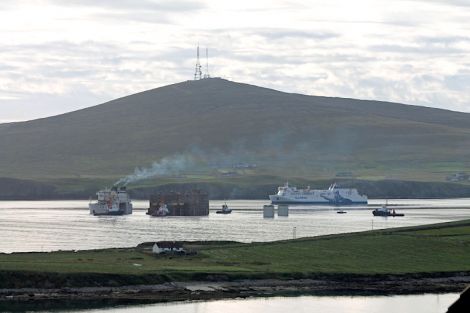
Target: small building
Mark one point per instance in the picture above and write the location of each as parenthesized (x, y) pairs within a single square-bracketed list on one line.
[(244, 165), (458, 177), (167, 247)]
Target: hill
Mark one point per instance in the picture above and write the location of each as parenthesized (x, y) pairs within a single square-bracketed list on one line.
[(221, 129)]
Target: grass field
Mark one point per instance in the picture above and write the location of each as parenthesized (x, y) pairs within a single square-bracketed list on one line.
[(425, 249)]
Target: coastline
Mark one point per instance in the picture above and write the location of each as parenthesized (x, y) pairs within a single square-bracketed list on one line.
[(219, 289), (407, 260)]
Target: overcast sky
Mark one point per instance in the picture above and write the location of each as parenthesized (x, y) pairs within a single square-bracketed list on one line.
[(58, 56)]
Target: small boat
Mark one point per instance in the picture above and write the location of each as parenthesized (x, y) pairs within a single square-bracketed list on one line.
[(384, 211), (341, 212), (225, 210), (161, 211)]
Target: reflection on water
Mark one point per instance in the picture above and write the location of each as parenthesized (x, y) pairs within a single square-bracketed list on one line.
[(430, 303), (66, 225)]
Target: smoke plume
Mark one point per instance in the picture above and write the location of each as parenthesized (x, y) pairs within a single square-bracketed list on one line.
[(165, 167)]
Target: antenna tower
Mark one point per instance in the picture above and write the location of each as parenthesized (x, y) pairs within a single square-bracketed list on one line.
[(206, 75), (198, 71)]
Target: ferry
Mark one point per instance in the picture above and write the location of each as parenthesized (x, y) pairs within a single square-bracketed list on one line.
[(334, 195), (114, 201)]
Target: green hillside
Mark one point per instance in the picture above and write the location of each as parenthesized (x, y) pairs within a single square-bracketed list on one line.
[(426, 250), (218, 123)]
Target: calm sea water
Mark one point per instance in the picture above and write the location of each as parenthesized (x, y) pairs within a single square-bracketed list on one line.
[(67, 225), (429, 303)]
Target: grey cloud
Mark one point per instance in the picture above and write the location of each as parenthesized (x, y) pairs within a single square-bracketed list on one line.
[(271, 33), (427, 45), (418, 49), (443, 40), (6, 67), (146, 11), (459, 81), (459, 3), (279, 33), (61, 47), (153, 17), (141, 5)]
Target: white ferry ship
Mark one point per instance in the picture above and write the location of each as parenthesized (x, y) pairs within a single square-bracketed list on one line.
[(115, 201), (332, 196)]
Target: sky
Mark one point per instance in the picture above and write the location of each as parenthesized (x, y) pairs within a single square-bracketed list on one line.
[(59, 56)]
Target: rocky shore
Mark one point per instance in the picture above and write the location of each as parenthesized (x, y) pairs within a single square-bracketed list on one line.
[(211, 290)]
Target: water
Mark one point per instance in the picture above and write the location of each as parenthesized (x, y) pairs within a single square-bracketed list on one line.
[(430, 303), (66, 225)]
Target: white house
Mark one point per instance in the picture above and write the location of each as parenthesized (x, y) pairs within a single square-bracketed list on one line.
[(167, 247)]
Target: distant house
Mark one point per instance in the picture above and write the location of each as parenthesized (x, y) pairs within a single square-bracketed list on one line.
[(457, 177), (229, 174), (244, 165), (167, 247)]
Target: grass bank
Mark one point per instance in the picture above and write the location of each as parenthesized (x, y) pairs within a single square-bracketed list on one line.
[(431, 251)]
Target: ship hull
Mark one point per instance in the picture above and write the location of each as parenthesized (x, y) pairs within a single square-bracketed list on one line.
[(318, 202), (110, 214), (275, 199), (100, 210), (387, 214), (332, 196)]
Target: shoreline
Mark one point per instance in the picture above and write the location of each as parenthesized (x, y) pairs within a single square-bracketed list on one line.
[(246, 288), (406, 260)]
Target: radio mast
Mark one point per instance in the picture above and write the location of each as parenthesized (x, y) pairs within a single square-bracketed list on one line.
[(198, 71), (207, 75)]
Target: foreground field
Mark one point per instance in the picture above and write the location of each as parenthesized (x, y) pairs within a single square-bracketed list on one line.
[(426, 249)]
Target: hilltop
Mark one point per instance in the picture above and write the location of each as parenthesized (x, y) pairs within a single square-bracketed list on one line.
[(222, 123)]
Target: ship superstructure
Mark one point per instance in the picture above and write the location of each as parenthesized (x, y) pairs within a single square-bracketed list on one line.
[(334, 195), (114, 201)]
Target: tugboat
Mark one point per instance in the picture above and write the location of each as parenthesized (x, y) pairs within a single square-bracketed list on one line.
[(161, 211), (225, 209), (384, 211), (114, 201)]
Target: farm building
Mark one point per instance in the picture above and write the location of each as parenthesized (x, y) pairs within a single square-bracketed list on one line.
[(167, 247)]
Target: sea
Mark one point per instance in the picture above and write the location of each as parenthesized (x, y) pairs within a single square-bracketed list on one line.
[(429, 303), (67, 225), (27, 226)]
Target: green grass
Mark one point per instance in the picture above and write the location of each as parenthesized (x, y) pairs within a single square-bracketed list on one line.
[(426, 249)]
